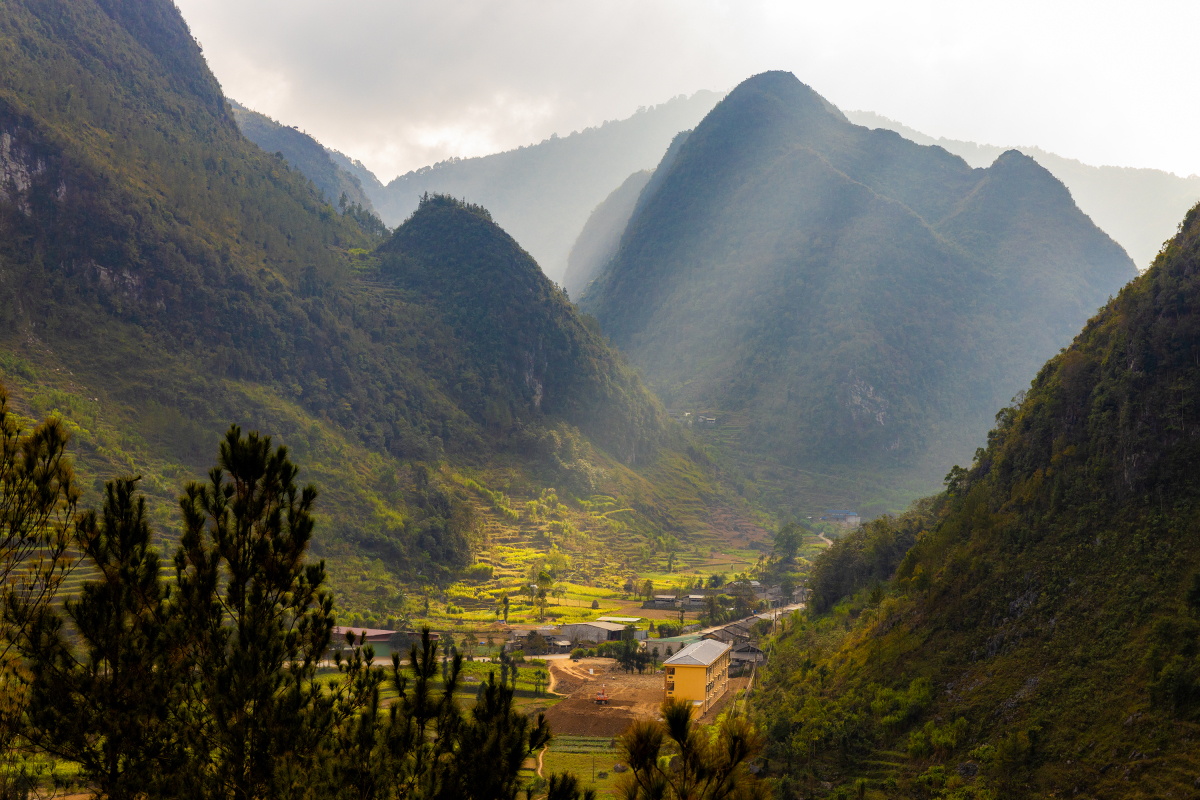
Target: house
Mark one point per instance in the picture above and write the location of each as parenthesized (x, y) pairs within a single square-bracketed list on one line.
[(374, 635), (728, 636), (675, 643), (593, 631), (746, 653), (660, 601), (847, 519), (698, 673)]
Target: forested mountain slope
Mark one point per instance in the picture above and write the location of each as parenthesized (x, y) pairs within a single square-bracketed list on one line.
[(1138, 207), (303, 153), (542, 194), (1051, 600), (601, 234), (162, 277), (859, 301)]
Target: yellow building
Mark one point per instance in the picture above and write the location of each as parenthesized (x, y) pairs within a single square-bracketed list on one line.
[(698, 672)]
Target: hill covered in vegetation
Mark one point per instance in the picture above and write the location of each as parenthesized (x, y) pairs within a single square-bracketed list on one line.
[(1138, 207), (847, 301), (1041, 635), (542, 194), (161, 277), (303, 153)]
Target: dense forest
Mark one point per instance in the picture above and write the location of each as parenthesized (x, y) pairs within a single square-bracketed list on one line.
[(1041, 631), (848, 301), (303, 153)]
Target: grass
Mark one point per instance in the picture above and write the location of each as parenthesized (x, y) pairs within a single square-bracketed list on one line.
[(564, 756)]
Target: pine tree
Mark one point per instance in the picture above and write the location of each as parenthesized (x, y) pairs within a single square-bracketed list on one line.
[(98, 693), (38, 502), (260, 621)]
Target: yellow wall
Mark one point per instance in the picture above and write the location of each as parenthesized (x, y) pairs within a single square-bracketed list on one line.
[(691, 681)]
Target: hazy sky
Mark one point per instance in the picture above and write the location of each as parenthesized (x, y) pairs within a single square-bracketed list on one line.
[(404, 84)]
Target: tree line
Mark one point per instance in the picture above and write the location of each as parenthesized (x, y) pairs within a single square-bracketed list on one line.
[(210, 677), (203, 679)]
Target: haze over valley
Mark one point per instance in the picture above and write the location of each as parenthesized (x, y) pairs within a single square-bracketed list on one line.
[(723, 444)]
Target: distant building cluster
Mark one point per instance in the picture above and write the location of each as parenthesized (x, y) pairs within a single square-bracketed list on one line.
[(847, 519), (690, 420)]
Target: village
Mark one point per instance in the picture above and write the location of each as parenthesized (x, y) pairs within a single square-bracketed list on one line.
[(593, 678)]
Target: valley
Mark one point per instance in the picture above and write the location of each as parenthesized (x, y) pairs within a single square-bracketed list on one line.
[(845, 460)]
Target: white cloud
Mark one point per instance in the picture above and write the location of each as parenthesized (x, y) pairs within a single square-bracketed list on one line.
[(404, 84)]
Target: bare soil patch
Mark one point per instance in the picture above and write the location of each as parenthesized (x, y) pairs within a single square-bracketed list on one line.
[(631, 697)]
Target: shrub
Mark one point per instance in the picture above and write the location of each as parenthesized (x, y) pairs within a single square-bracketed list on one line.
[(595, 604), (578, 653), (478, 572), (518, 656)]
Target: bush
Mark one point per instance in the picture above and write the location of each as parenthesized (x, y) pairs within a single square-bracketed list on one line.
[(478, 572), (578, 653), (518, 656), (595, 604)]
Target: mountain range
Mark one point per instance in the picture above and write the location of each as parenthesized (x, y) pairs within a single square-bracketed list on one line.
[(542, 194), (843, 298), (161, 276), (1140, 208)]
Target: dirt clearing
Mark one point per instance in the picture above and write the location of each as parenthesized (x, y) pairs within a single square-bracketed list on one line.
[(630, 697)]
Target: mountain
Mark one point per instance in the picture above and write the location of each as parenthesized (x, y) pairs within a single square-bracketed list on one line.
[(1139, 208), (161, 277), (303, 153), (520, 350), (542, 194), (597, 242), (1051, 596), (847, 302)]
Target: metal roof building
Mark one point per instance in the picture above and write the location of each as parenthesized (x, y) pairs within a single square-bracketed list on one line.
[(699, 654)]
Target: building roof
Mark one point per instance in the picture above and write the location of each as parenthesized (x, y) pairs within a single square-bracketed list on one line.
[(605, 626), (700, 654), (340, 632), (622, 620)]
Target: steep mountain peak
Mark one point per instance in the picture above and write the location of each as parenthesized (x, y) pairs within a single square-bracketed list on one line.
[(789, 90), (859, 298), (460, 241)]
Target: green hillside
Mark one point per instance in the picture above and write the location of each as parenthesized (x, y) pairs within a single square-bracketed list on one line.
[(303, 153), (852, 304), (1051, 596), (601, 234), (162, 277)]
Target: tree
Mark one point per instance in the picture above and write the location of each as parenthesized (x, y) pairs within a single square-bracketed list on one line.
[(703, 768), (38, 504), (648, 589), (98, 696), (259, 620), (788, 541)]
